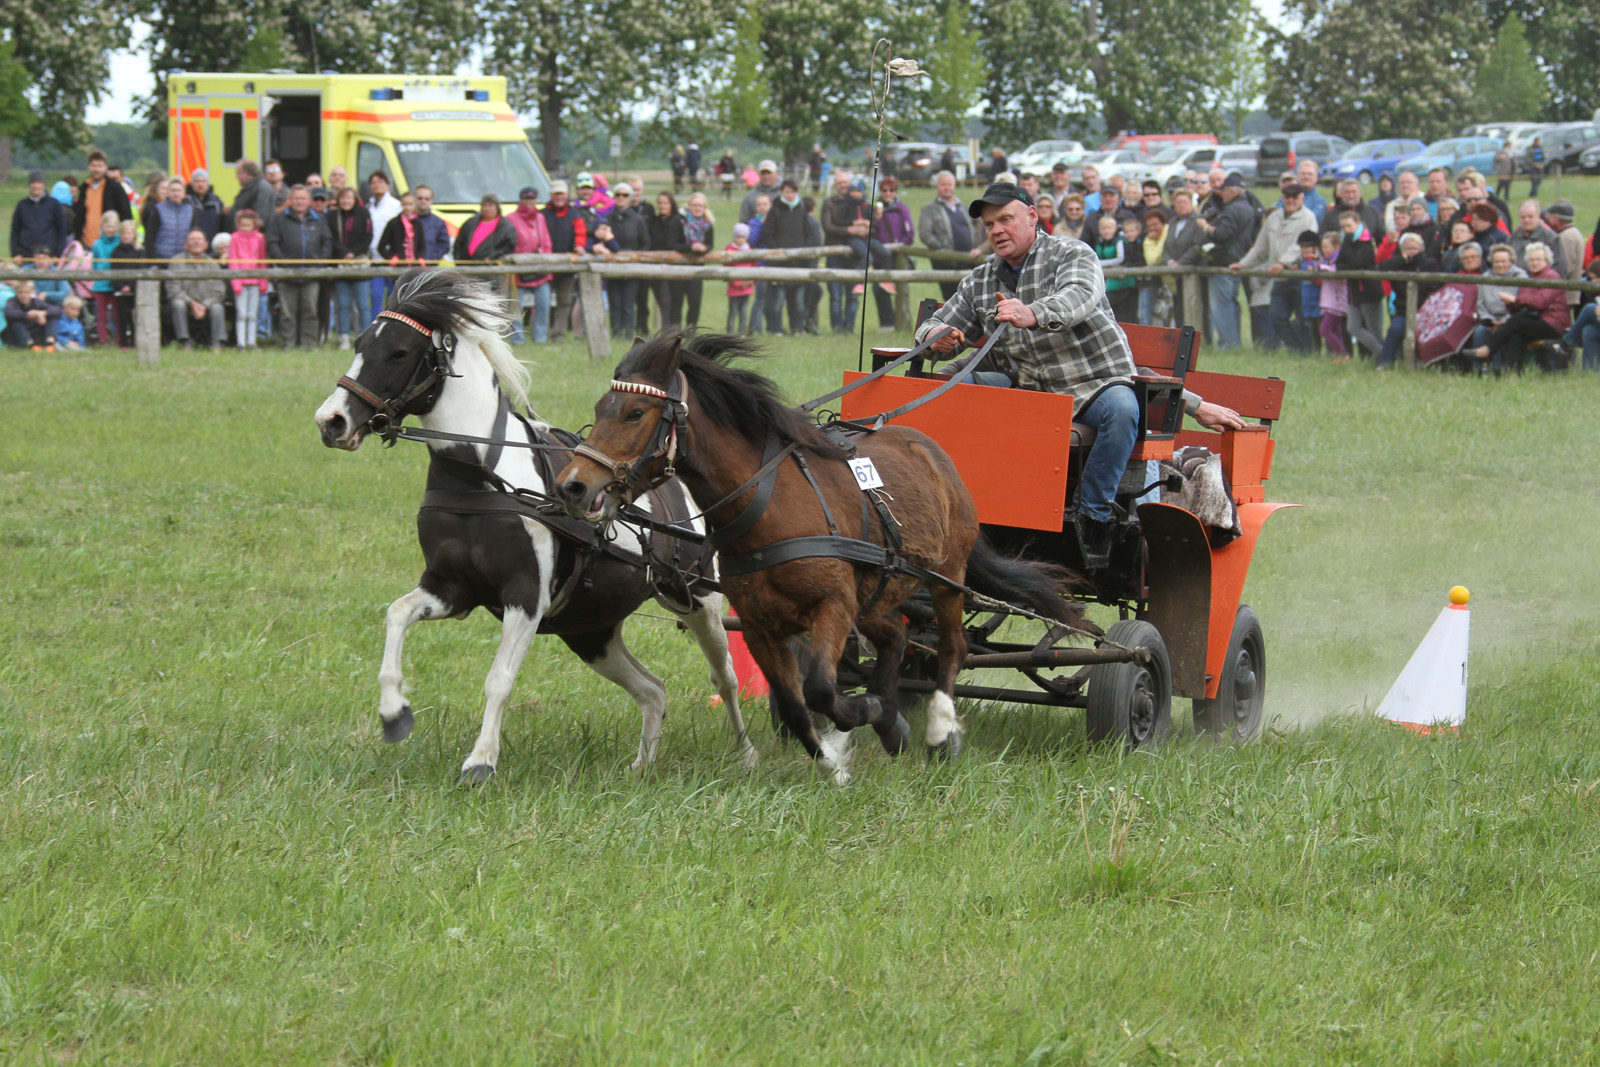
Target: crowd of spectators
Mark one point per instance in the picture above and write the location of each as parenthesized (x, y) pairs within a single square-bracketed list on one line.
[(1215, 219), (1211, 218)]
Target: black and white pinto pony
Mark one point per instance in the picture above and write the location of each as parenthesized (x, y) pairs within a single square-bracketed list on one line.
[(438, 354)]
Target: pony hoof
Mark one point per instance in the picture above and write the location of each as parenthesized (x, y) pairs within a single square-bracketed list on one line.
[(868, 707), (399, 728), (476, 774), (896, 736), (948, 749)]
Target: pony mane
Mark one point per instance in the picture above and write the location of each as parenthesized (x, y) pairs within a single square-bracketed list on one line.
[(742, 400), (473, 311)]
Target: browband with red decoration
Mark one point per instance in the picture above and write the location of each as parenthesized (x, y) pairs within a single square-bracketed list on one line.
[(408, 320), (639, 387)]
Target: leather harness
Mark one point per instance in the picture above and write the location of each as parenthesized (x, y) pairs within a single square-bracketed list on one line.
[(589, 542)]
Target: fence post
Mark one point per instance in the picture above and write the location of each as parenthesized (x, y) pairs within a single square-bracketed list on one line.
[(147, 323), (591, 299), (902, 296), (1411, 327)]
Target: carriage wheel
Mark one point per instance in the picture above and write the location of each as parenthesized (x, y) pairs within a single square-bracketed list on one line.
[(1131, 703), (1235, 714)]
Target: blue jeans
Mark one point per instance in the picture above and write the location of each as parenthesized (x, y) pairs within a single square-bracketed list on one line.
[(1285, 307), (356, 292), (1147, 305), (843, 304), (538, 299), (1586, 332), (264, 320), (1115, 415), (792, 295), (1392, 341), (1224, 300), (379, 290)]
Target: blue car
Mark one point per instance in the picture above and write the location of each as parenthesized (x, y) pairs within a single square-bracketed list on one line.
[(1370, 160), (1454, 154)]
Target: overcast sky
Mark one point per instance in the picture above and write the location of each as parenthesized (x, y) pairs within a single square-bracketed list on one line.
[(131, 67)]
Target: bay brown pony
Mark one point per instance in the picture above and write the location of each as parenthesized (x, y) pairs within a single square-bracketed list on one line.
[(677, 404)]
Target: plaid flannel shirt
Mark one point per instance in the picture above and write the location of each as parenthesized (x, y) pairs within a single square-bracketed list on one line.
[(1076, 348)]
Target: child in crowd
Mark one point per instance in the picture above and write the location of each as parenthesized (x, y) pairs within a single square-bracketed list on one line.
[(739, 291), (128, 251), (70, 335), (48, 285), (1123, 293), (30, 319), (105, 296), (1335, 298), (247, 250), (1310, 292)]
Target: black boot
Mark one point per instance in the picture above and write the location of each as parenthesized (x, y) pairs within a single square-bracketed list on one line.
[(1094, 541)]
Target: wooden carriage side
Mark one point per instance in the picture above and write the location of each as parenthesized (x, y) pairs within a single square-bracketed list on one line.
[(1012, 448)]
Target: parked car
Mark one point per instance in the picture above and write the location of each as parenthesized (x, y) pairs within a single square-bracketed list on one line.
[(1042, 155), (1281, 151), (1244, 158), (1123, 161), (1590, 159), (1173, 162), (1155, 142), (1370, 160), (1454, 154), (1515, 132), (919, 161), (1563, 145)]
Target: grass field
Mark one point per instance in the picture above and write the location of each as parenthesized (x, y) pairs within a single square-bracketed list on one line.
[(207, 855)]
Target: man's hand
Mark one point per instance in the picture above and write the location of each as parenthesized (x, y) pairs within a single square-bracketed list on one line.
[(1276, 268), (197, 309), (1016, 313), (950, 340), (1216, 417), (974, 254), (1236, 267)]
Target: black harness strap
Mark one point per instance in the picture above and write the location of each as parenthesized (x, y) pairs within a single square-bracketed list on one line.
[(764, 479)]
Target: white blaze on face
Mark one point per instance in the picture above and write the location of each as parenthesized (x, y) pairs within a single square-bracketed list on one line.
[(339, 398)]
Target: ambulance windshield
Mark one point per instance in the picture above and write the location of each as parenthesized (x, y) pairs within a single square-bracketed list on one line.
[(461, 172)]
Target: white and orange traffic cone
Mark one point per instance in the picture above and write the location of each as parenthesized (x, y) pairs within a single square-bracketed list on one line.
[(1431, 693)]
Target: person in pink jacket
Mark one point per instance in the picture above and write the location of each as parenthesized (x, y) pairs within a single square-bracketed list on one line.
[(739, 290), (533, 290), (1535, 315), (247, 250)]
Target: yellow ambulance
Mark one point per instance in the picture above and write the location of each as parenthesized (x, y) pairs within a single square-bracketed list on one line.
[(454, 134)]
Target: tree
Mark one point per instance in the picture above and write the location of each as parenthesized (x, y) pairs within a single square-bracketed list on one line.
[(816, 60), (1241, 71), (1378, 72), (742, 96), (1140, 64), (1565, 36), (584, 64), (958, 74), (63, 47), (403, 36), (1509, 85)]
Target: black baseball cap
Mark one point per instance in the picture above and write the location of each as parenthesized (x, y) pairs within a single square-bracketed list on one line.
[(528, 193), (1234, 180), (996, 195)]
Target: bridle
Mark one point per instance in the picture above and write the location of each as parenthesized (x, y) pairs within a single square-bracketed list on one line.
[(426, 381), (627, 476)]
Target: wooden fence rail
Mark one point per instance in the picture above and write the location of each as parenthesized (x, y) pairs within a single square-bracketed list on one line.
[(723, 266)]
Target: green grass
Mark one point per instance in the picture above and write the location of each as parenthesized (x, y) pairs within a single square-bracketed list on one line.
[(207, 855)]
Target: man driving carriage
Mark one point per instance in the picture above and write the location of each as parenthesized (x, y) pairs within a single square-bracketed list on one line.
[(1063, 338)]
